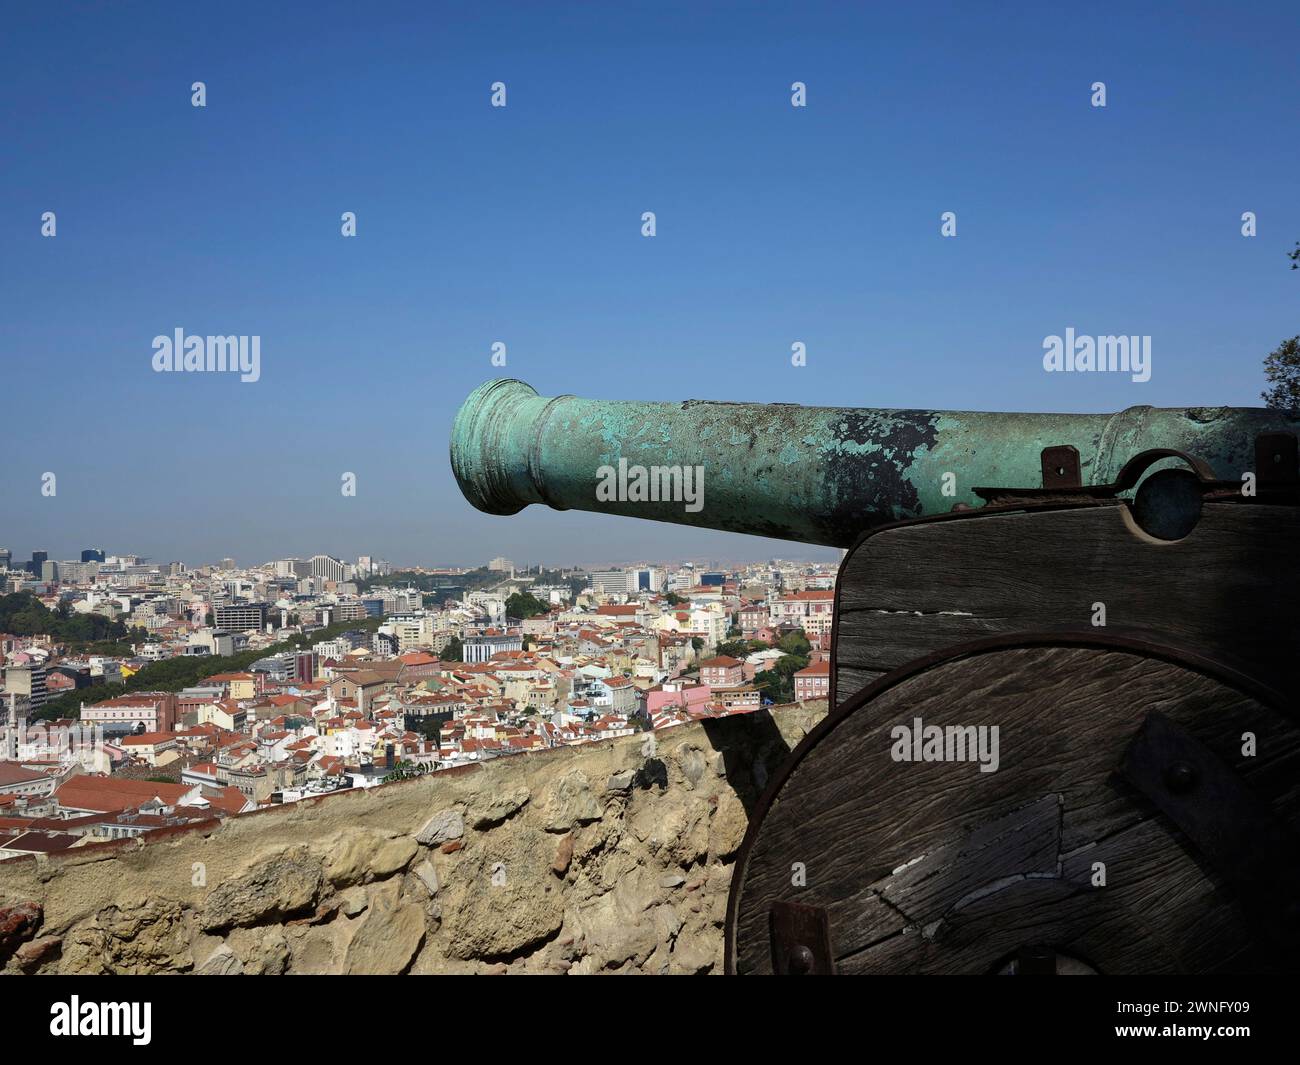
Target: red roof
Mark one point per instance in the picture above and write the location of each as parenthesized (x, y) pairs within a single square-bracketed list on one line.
[(816, 669), (115, 793)]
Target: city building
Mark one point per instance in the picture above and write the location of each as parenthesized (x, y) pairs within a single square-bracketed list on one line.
[(799, 607), (608, 581), (814, 682), (329, 568), (482, 648), (722, 672), (240, 617), (643, 579), (139, 712), (27, 682)]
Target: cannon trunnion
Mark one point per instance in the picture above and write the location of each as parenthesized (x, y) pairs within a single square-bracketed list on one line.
[(1059, 743)]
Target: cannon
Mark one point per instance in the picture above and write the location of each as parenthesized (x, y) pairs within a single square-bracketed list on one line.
[(1062, 735)]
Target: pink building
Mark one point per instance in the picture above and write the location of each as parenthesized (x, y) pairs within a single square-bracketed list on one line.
[(813, 682), (684, 696), (722, 672)]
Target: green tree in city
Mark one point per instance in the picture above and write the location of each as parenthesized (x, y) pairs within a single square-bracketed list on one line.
[(1282, 371), (795, 643), (777, 681), (740, 648), (524, 605)]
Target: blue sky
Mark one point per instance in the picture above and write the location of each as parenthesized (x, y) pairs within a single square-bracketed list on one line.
[(522, 224)]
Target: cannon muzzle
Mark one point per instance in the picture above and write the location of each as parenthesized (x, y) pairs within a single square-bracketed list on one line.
[(820, 475)]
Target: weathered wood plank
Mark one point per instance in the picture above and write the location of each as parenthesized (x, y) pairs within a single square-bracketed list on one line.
[(1229, 588), (848, 681)]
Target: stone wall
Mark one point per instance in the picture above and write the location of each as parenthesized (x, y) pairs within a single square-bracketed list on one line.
[(611, 857)]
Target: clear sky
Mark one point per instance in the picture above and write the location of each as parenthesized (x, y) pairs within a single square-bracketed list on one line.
[(523, 225)]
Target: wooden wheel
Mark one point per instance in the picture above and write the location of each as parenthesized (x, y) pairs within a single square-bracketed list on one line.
[(1135, 811)]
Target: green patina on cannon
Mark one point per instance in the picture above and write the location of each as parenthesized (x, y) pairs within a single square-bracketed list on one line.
[(1108, 602), (819, 475)]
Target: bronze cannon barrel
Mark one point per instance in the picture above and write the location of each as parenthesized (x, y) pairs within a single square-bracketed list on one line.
[(820, 475)]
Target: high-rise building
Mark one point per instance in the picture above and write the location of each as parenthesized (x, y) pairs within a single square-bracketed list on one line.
[(328, 568), (38, 560), (71, 572), (27, 682), (607, 582), (240, 617), (92, 554), (6, 557), (643, 579)]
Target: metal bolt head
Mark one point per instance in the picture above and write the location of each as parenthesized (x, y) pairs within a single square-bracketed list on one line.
[(1180, 778), (801, 961)]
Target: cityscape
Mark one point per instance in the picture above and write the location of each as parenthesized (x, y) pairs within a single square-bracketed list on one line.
[(668, 489), (141, 695)]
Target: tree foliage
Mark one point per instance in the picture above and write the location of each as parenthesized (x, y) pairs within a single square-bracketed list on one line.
[(24, 615), (525, 605), (777, 682), (741, 649), (795, 643), (1282, 371)]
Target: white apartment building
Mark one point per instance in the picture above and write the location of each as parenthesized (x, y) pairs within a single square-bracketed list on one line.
[(414, 631), (609, 581), (482, 648), (329, 568), (336, 649), (643, 579)]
